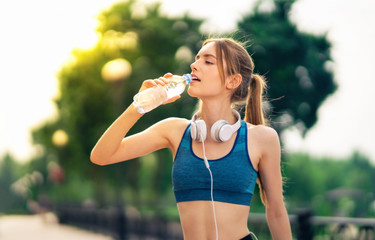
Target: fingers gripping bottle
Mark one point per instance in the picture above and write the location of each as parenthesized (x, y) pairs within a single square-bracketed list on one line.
[(151, 98)]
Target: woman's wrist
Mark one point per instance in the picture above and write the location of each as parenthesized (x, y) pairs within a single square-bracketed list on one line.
[(132, 109)]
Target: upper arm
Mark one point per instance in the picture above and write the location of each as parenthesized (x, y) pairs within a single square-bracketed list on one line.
[(156, 137), (270, 173), (269, 168)]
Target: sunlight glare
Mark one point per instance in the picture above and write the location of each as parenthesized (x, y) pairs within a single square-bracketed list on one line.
[(38, 39)]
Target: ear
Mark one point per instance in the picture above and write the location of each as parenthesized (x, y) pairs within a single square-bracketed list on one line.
[(234, 81)]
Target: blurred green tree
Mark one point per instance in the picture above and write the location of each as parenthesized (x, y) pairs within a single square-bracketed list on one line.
[(11, 197), (323, 184), (136, 43), (297, 65)]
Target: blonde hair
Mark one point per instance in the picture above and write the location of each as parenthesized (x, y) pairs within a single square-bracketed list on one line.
[(238, 61)]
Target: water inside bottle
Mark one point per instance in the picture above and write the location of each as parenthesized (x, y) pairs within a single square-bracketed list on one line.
[(150, 99), (174, 89)]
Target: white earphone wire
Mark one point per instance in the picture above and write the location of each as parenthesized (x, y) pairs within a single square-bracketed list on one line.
[(254, 235), (212, 187), (212, 190)]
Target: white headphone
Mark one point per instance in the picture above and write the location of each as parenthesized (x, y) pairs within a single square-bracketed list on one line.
[(221, 131)]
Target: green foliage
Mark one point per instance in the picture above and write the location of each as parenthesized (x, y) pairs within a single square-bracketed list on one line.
[(10, 172), (330, 187), (74, 190), (294, 63), (88, 103)]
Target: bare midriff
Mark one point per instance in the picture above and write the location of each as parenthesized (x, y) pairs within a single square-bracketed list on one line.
[(197, 220)]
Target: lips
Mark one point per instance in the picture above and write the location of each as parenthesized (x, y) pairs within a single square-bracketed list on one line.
[(195, 78)]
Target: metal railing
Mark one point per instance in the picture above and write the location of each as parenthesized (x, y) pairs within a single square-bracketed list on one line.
[(341, 228), (123, 225)]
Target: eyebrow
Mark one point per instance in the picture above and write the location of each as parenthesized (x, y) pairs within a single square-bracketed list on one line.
[(206, 55)]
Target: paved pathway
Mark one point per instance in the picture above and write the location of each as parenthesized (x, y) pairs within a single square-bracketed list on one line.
[(42, 227)]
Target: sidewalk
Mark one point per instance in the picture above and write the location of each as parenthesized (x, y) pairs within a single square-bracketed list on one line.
[(42, 227)]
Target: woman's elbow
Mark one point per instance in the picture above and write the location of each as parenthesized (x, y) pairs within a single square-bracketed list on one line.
[(96, 159)]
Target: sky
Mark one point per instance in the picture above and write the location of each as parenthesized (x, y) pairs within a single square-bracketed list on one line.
[(38, 36)]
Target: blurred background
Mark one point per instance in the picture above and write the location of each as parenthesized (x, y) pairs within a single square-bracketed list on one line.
[(68, 69)]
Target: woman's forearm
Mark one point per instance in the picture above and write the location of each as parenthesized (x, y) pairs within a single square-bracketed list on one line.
[(279, 225), (110, 141)]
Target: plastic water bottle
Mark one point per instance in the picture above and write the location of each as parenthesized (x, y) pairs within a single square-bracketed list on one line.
[(151, 98)]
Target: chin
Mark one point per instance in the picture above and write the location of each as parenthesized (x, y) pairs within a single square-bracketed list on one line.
[(191, 92)]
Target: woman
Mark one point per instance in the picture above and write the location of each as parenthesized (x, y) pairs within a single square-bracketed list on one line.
[(213, 197)]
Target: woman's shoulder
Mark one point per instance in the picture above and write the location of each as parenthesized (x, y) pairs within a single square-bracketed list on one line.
[(264, 142), (173, 124), (263, 134), (173, 128)]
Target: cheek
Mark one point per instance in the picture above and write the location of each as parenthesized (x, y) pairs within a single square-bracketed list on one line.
[(215, 84)]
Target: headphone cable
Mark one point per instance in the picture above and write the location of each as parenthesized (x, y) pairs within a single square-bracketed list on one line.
[(212, 192), (212, 188)]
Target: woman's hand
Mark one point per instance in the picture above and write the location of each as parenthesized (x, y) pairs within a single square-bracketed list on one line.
[(158, 81)]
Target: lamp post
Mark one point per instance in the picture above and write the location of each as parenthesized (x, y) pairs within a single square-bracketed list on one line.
[(115, 72)]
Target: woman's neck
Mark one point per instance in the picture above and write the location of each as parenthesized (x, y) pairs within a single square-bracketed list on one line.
[(213, 112)]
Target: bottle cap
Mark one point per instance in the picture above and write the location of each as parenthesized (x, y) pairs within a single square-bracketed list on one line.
[(188, 78)]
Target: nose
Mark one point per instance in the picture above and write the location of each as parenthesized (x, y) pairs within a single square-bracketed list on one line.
[(193, 66)]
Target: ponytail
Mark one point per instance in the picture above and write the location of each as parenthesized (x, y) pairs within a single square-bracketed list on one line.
[(254, 109), (254, 115)]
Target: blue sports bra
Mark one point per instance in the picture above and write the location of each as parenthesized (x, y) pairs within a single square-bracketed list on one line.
[(234, 176)]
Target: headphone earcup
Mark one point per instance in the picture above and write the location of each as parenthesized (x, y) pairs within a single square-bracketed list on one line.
[(198, 130), (221, 131)]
